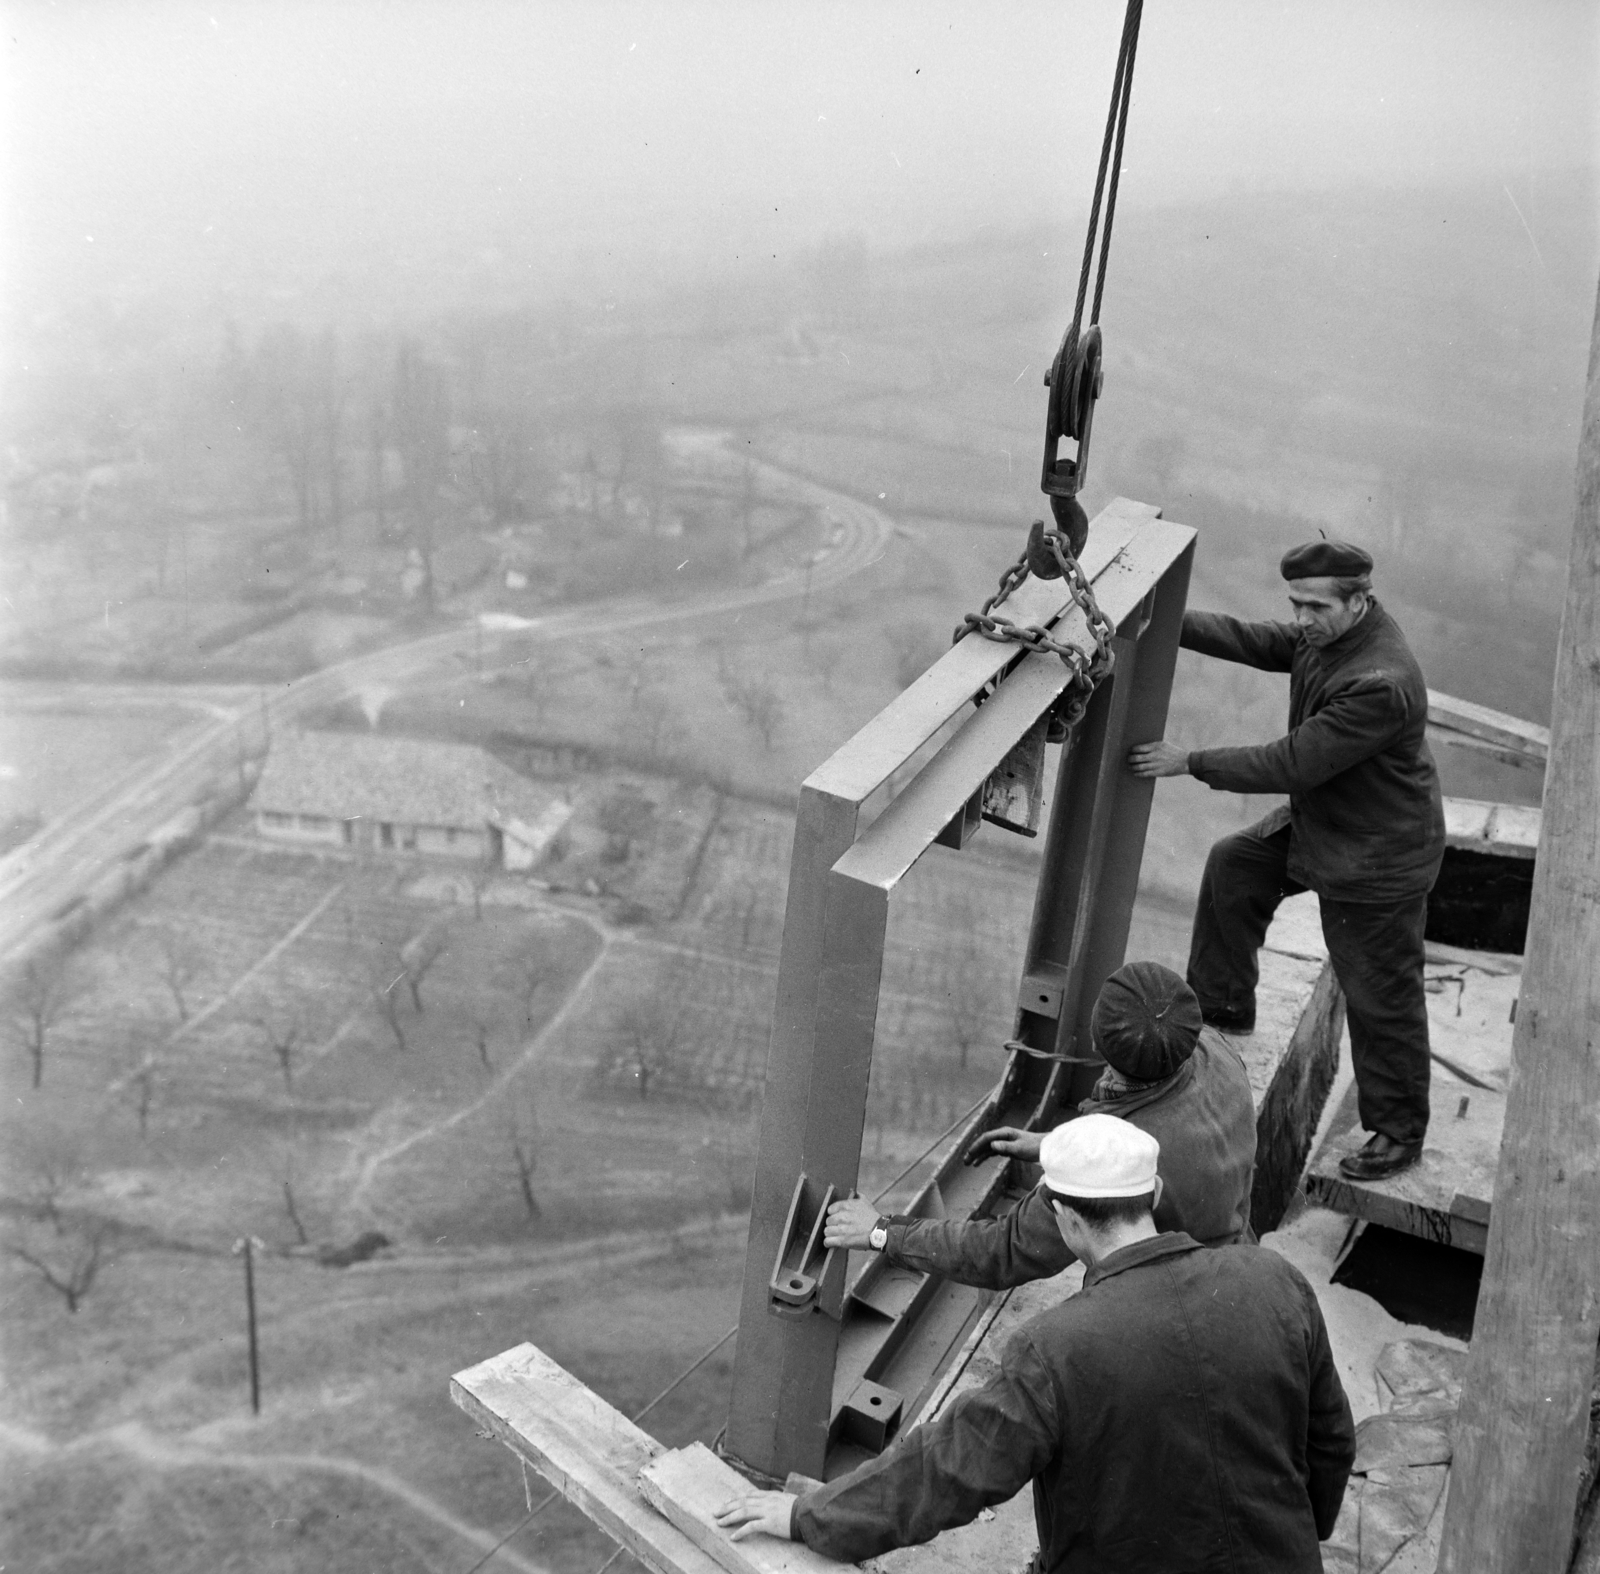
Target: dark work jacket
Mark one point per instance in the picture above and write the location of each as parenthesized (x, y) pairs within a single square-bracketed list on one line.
[(1181, 1413), (1365, 817), (1205, 1120)]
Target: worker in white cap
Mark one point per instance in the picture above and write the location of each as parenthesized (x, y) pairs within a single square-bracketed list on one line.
[(1182, 1411)]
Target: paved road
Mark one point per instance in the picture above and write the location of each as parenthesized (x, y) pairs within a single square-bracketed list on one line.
[(64, 860)]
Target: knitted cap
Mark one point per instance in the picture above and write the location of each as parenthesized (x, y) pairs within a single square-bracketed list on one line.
[(1146, 1021), (1099, 1156)]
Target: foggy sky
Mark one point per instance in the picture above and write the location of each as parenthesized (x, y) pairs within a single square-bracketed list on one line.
[(151, 145)]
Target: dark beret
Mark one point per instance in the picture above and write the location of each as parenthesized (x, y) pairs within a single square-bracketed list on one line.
[(1145, 1021), (1326, 560)]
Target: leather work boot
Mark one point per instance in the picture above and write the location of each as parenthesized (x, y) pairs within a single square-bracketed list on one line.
[(1380, 1158)]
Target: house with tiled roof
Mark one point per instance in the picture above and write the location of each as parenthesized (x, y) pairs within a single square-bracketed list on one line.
[(403, 795)]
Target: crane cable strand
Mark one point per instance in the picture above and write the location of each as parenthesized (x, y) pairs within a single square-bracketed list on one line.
[(1110, 161), (1110, 157)]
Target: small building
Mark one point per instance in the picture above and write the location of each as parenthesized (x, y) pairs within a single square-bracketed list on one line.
[(412, 795)]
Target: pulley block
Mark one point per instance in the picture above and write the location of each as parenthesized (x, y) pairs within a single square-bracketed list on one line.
[(1075, 379)]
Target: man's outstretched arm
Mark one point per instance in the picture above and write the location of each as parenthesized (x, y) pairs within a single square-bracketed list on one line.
[(993, 1254), (1270, 646), (1354, 727)]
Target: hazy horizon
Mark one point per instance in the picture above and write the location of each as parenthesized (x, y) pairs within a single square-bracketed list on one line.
[(246, 150)]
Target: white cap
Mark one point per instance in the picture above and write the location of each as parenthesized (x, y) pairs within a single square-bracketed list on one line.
[(1099, 1156)]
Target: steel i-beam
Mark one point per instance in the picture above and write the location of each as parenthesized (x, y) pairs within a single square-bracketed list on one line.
[(808, 1361)]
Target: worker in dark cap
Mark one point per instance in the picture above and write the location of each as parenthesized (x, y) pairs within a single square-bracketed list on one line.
[(1166, 1073), (1364, 829)]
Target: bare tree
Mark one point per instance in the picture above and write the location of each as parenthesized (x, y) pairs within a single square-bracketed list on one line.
[(532, 970), (526, 1155), (747, 495), (328, 396), (480, 877), (624, 816), (386, 997), (67, 1264), (283, 412), (418, 956), (293, 1211), (420, 426), (504, 461), (824, 656), (42, 995), (179, 963), (48, 1182), (283, 1035), (649, 1039), (757, 701), (141, 1082)]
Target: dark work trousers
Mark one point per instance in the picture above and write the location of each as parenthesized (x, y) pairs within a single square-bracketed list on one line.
[(1377, 954)]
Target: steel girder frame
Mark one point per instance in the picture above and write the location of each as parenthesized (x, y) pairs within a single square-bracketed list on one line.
[(799, 1371)]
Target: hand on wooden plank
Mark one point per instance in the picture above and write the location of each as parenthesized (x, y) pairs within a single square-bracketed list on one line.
[(766, 1513)]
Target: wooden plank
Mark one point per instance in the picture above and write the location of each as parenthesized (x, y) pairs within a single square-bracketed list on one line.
[(589, 1452), (1469, 725), (1466, 820), (1524, 1416), (688, 1485), (1515, 827), (1445, 1196), (1510, 830)]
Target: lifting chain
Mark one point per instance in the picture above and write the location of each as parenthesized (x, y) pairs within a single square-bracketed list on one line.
[(1074, 380), (1087, 670)]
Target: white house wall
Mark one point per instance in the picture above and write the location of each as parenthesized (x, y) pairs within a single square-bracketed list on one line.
[(300, 828), (451, 842)]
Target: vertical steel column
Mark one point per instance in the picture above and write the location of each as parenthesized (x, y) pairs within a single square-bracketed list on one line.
[(1090, 871), (1101, 945), (777, 1372)]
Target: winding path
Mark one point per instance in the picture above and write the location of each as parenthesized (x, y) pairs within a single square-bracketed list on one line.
[(70, 854), (166, 1453)]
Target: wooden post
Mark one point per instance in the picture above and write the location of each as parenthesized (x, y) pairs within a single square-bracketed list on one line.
[(1525, 1404)]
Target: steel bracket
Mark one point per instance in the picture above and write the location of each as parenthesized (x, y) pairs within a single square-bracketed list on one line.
[(807, 1277)]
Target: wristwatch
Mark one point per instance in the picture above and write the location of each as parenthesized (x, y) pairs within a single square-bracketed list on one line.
[(878, 1235)]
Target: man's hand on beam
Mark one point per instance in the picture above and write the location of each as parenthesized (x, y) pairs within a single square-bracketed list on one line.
[(766, 1513), (1158, 759), (1011, 1142), (849, 1224)]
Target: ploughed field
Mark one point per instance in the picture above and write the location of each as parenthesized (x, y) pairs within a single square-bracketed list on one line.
[(557, 1146)]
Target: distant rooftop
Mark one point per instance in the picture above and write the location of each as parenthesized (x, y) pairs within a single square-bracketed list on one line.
[(409, 781)]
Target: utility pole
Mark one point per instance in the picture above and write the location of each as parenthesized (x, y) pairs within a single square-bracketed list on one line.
[(1525, 1403), (249, 1245)]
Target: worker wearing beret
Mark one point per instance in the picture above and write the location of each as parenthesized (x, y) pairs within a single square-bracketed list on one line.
[(1167, 1074), (1364, 829), (1182, 1411)]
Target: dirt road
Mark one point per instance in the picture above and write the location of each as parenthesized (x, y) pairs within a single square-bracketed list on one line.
[(64, 860)]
